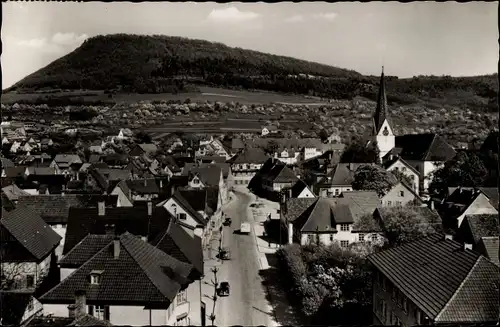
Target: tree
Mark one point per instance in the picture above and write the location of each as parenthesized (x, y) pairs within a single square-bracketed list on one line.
[(323, 134), (402, 177), (143, 137), (373, 178), (465, 169), (405, 224), (271, 147), (357, 151)]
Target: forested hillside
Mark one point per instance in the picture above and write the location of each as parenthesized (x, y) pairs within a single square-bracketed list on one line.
[(164, 64)]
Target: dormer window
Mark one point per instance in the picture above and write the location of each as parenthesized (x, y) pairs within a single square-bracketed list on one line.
[(95, 277), (181, 216)]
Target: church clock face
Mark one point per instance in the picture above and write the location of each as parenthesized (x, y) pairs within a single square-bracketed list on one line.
[(385, 132)]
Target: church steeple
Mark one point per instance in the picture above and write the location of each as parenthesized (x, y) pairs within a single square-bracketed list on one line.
[(382, 124), (382, 112)]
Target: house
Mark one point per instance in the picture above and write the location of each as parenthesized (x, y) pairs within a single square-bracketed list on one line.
[(143, 189), (214, 148), (482, 232), (124, 194), (27, 247), (140, 167), (17, 307), (313, 220), (334, 138), (270, 129), (397, 164), (40, 171), (97, 147), (54, 209), (301, 190), (433, 280), (47, 142), (490, 192), (279, 177), (40, 184), (16, 146), (424, 152), (114, 160), (124, 133), (338, 180), (10, 195), (400, 195), (65, 163), (128, 282), (246, 164), (143, 149), (169, 166), (6, 162), (190, 219), (464, 202), (210, 175)]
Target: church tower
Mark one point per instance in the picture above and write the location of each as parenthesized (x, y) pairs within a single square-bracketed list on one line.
[(382, 125)]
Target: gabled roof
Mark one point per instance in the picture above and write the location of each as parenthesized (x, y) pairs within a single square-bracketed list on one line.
[(177, 243), (389, 163), (209, 175), (382, 110), (17, 171), (342, 174), (54, 209), (212, 159), (6, 162), (13, 306), (180, 200), (249, 156), (143, 186), (296, 207), (483, 225), (84, 221), (84, 250), (424, 147), (101, 181), (298, 187), (142, 274), (31, 232), (148, 147), (361, 202), (13, 192), (491, 247), (445, 281), (67, 158), (282, 174), (113, 174), (205, 199), (169, 161)]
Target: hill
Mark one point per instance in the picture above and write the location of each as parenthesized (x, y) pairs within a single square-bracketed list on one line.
[(164, 64)]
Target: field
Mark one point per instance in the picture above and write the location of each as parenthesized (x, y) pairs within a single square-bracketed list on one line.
[(205, 94)]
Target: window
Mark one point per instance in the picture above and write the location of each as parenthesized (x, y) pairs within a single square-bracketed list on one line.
[(398, 203), (30, 281), (337, 192), (401, 193), (181, 216), (331, 237), (310, 238), (95, 277), (389, 203), (99, 312), (344, 227), (344, 244), (403, 169), (394, 294), (181, 297), (362, 237)]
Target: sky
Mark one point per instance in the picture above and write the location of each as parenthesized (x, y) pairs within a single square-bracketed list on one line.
[(409, 39)]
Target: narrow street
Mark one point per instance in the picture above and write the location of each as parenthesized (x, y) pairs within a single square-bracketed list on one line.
[(246, 305)]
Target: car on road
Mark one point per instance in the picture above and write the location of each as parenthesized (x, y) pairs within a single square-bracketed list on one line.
[(245, 228), (227, 221), (223, 289)]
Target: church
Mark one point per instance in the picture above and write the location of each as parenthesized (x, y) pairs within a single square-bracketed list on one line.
[(423, 153)]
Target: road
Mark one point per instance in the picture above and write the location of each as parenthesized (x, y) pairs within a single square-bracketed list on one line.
[(247, 304)]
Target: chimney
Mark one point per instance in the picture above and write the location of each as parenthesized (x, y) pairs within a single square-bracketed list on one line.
[(467, 246), (116, 248), (431, 204), (109, 229), (161, 184), (145, 182), (150, 208), (79, 308), (448, 237), (101, 208)]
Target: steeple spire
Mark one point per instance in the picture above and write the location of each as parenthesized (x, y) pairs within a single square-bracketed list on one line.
[(381, 113)]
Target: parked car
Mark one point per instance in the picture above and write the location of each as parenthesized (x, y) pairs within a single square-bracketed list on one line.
[(223, 289), (224, 254), (227, 221)]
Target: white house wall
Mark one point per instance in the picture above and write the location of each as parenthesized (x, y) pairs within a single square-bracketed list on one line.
[(306, 193), (188, 221), (65, 272), (402, 168), (394, 198), (334, 191)]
